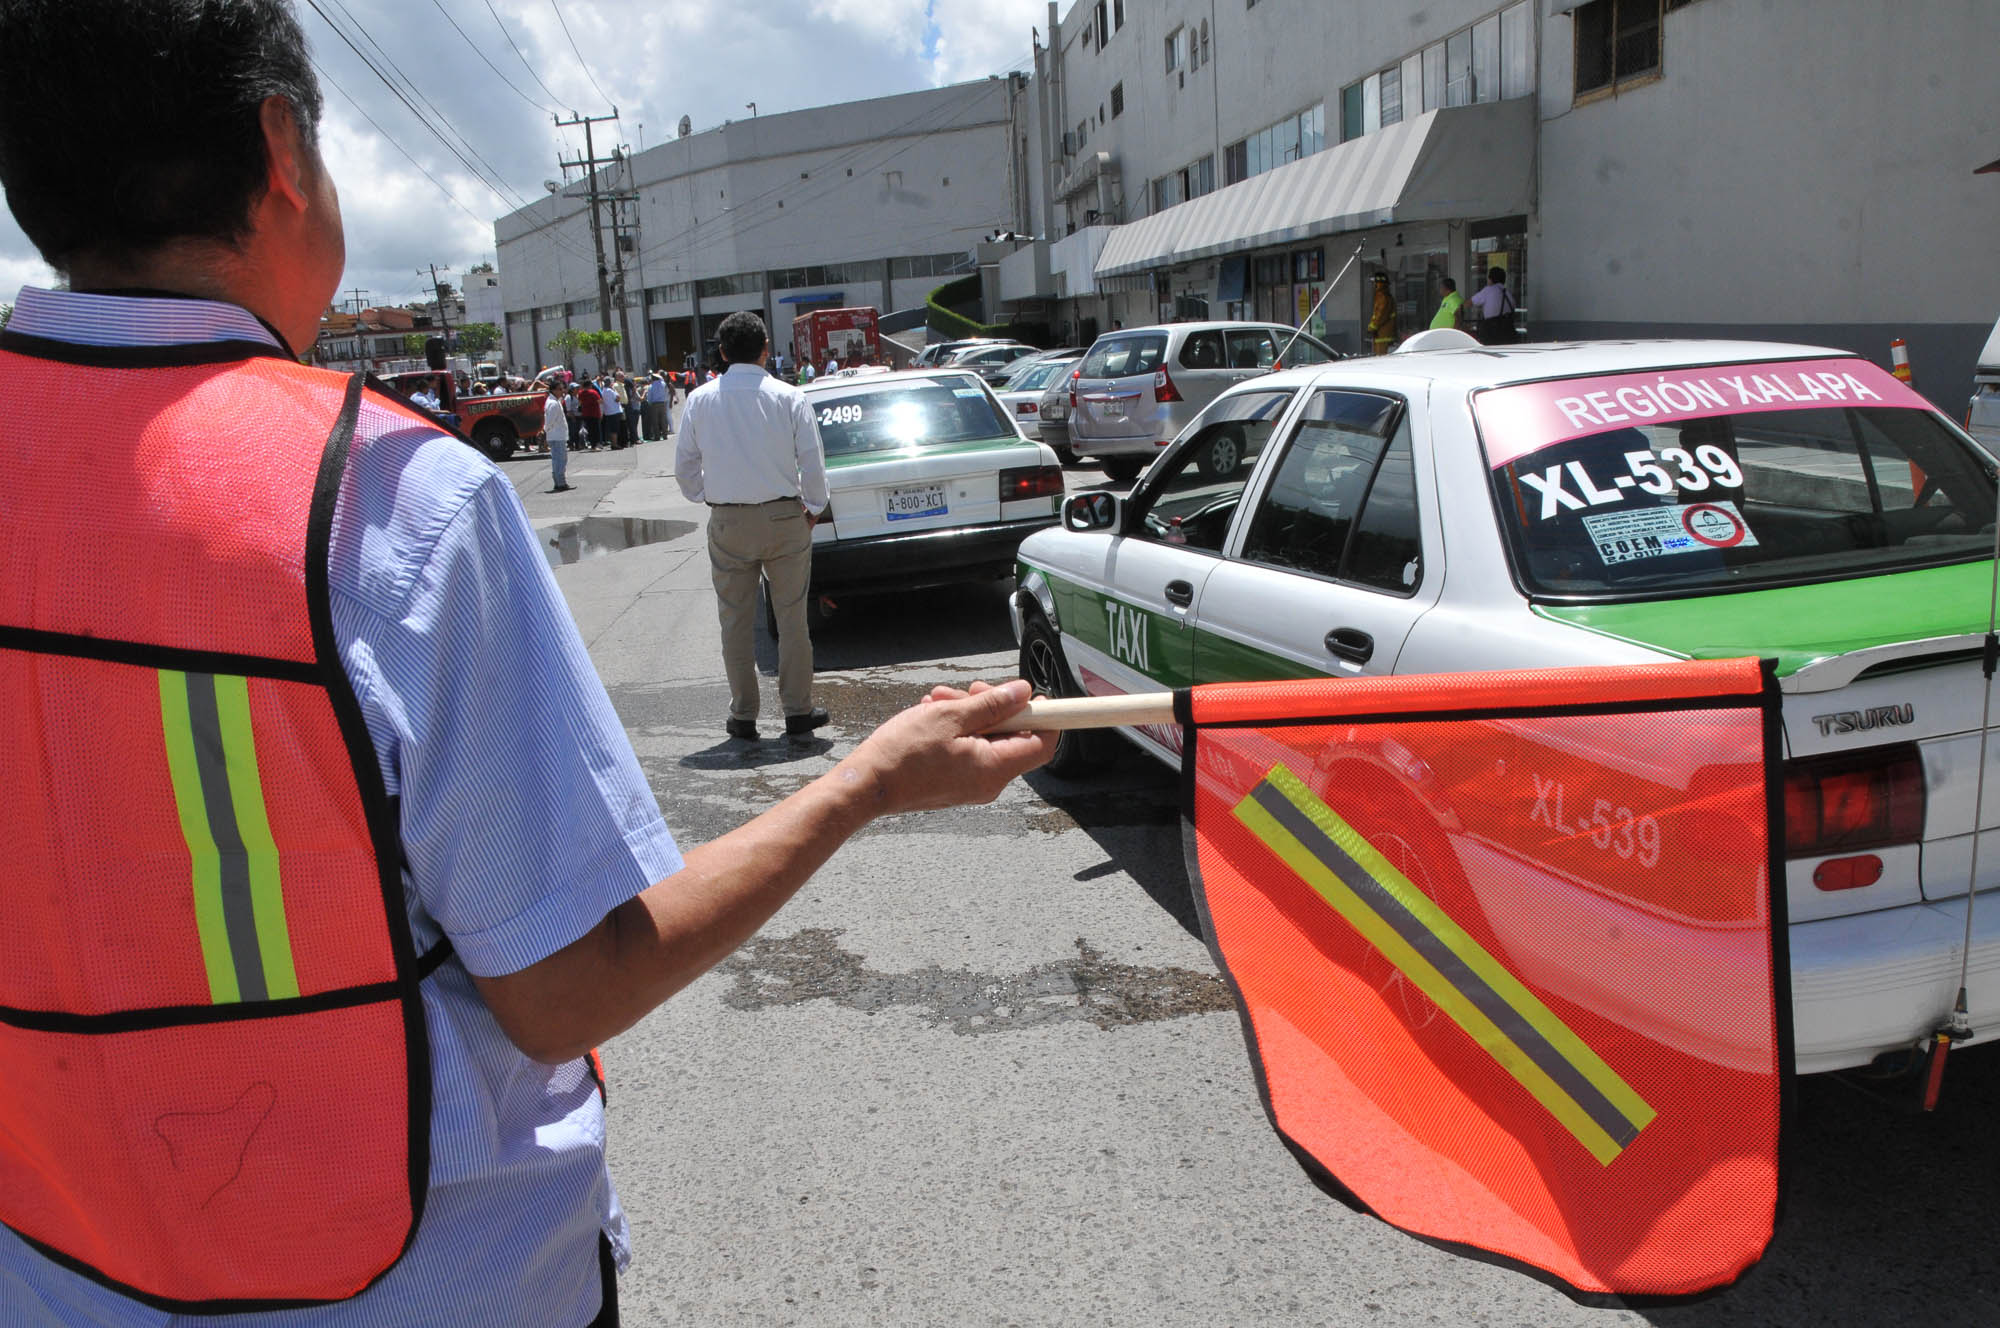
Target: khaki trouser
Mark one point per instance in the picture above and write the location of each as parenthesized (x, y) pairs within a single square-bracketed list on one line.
[(771, 539)]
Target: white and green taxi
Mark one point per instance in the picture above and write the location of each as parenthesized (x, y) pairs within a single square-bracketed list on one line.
[(1470, 508), (931, 484)]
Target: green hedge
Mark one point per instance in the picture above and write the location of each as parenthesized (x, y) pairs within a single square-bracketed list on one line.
[(951, 325)]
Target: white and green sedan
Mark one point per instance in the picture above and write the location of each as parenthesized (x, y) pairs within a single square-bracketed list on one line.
[(1475, 508), (931, 484)]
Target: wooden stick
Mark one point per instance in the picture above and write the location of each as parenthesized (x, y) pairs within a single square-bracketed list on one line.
[(1092, 712)]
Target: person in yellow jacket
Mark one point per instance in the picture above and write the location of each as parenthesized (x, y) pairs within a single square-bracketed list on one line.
[(1382, 322)]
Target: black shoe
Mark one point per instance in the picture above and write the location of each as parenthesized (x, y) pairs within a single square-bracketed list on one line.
[(746, 729), (801, 726), (562, 488)]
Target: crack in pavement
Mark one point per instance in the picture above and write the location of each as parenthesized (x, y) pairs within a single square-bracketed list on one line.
[(772, 972)]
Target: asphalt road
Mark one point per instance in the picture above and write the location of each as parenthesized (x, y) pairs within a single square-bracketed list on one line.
[(981, 1070)]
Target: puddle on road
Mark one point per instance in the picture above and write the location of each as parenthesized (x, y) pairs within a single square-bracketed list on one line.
[(597, 536), (776, 971)]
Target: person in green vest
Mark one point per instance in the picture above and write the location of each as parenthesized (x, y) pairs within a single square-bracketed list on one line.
[(1448, 307)]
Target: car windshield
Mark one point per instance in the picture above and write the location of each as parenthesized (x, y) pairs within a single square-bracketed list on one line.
[(906, 413), (1824, 469), (1125, 357)]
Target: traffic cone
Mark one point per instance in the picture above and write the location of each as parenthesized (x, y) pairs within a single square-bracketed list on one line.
[(1899, 362)]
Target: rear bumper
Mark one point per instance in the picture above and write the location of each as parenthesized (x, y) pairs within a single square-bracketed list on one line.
[(1876, 982), (921, 558), (1116, 447)]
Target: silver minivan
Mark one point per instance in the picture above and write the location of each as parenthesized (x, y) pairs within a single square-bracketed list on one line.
[(1138, 387)]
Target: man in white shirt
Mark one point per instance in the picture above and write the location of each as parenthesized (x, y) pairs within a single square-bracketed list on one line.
[(832, 367), (555, 431), (750, 449), (614, 410)]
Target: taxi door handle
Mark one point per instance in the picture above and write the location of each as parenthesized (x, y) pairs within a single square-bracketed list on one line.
[(1351, 643), (1180, 594)]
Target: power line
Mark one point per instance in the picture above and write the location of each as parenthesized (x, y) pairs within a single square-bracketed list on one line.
[(585, 64), (387, 137), (525, 64), (488, 63)]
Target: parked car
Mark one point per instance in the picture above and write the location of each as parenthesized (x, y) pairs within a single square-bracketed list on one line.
[(993, 363), (1138, 387), (931, 484), (1021, 394), (1628, 503), (938, 352)]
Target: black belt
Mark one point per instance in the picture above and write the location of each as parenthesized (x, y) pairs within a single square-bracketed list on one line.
[(790, 498)]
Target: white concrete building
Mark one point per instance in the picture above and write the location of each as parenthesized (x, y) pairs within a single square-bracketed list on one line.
[(866, 203), (1637, 167)]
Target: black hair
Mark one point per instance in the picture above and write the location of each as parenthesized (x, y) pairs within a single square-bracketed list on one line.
[(1448, 283), (741, 338), (134, 122), (1498, 274)]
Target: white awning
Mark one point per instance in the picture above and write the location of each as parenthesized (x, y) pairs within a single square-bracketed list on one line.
[(1444, 165)]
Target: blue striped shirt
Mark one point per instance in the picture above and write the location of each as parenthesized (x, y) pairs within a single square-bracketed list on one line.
[(525, 819)]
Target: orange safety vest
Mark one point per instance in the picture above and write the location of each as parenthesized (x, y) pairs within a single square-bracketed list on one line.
[(214, 1074)]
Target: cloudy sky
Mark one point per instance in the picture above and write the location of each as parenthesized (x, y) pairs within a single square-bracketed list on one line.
[(655, 60)]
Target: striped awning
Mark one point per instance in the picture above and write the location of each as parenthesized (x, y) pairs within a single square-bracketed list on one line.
[(1444, 165)]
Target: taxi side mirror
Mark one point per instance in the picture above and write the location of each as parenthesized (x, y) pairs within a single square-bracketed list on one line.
[(1091, 511)]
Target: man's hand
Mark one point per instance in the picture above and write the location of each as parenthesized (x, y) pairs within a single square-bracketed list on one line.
[(931, 755), (652, 945)]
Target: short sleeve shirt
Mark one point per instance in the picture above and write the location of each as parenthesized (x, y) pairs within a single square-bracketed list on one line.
[(525, 819)]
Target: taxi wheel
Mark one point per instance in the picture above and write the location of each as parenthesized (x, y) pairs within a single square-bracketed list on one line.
[(1042, 665), (1221, 458)]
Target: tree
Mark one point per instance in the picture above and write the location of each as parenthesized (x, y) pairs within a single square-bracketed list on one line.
[(445, 292), (567, 343), (478, 338), (603, 345), (6, 312), (480, 267), (413, 343)]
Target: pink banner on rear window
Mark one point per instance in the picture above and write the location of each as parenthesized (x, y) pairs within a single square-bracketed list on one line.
[(1514, 421)]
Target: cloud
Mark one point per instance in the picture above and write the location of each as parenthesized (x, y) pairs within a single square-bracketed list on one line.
[(980, 37), (655, 60)]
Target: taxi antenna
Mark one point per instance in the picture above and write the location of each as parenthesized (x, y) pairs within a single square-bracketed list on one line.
[(1322, 300), (1957, 1026)]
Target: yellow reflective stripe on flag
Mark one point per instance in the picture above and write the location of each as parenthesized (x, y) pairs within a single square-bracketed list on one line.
[(1479, 994), (239, 746), (204, 857)]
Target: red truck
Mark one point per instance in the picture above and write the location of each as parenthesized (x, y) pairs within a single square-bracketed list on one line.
[(499, 423), (847, 335)]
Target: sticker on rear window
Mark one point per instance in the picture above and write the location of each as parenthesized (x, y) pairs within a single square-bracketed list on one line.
[(966, 392), (1656, 532)]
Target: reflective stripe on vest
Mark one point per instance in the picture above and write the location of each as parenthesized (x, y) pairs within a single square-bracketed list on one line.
[(239, 899), (214, 1073)]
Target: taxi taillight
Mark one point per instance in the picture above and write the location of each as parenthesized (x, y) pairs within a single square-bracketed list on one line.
[(1031, 482), (1854, 800)]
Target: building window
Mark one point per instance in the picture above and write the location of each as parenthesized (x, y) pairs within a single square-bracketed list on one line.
[(1433, 76), (1236, 162), (1117, 100), (1204, 41), (1458, 69), (1201, 177), (1103, 27), (1617, 41), (1486, 59), (1391, 97), (1176, 49), (1117, 14), (1517, 51)]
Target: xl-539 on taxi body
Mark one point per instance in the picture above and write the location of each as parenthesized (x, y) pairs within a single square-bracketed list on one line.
[(1472, 509)]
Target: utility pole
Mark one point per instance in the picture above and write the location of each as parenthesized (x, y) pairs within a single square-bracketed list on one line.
[(589, 163), (444, 319), (360, 299)]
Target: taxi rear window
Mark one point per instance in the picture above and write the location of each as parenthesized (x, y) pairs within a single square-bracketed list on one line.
[(1737, 477), (904, 414)]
